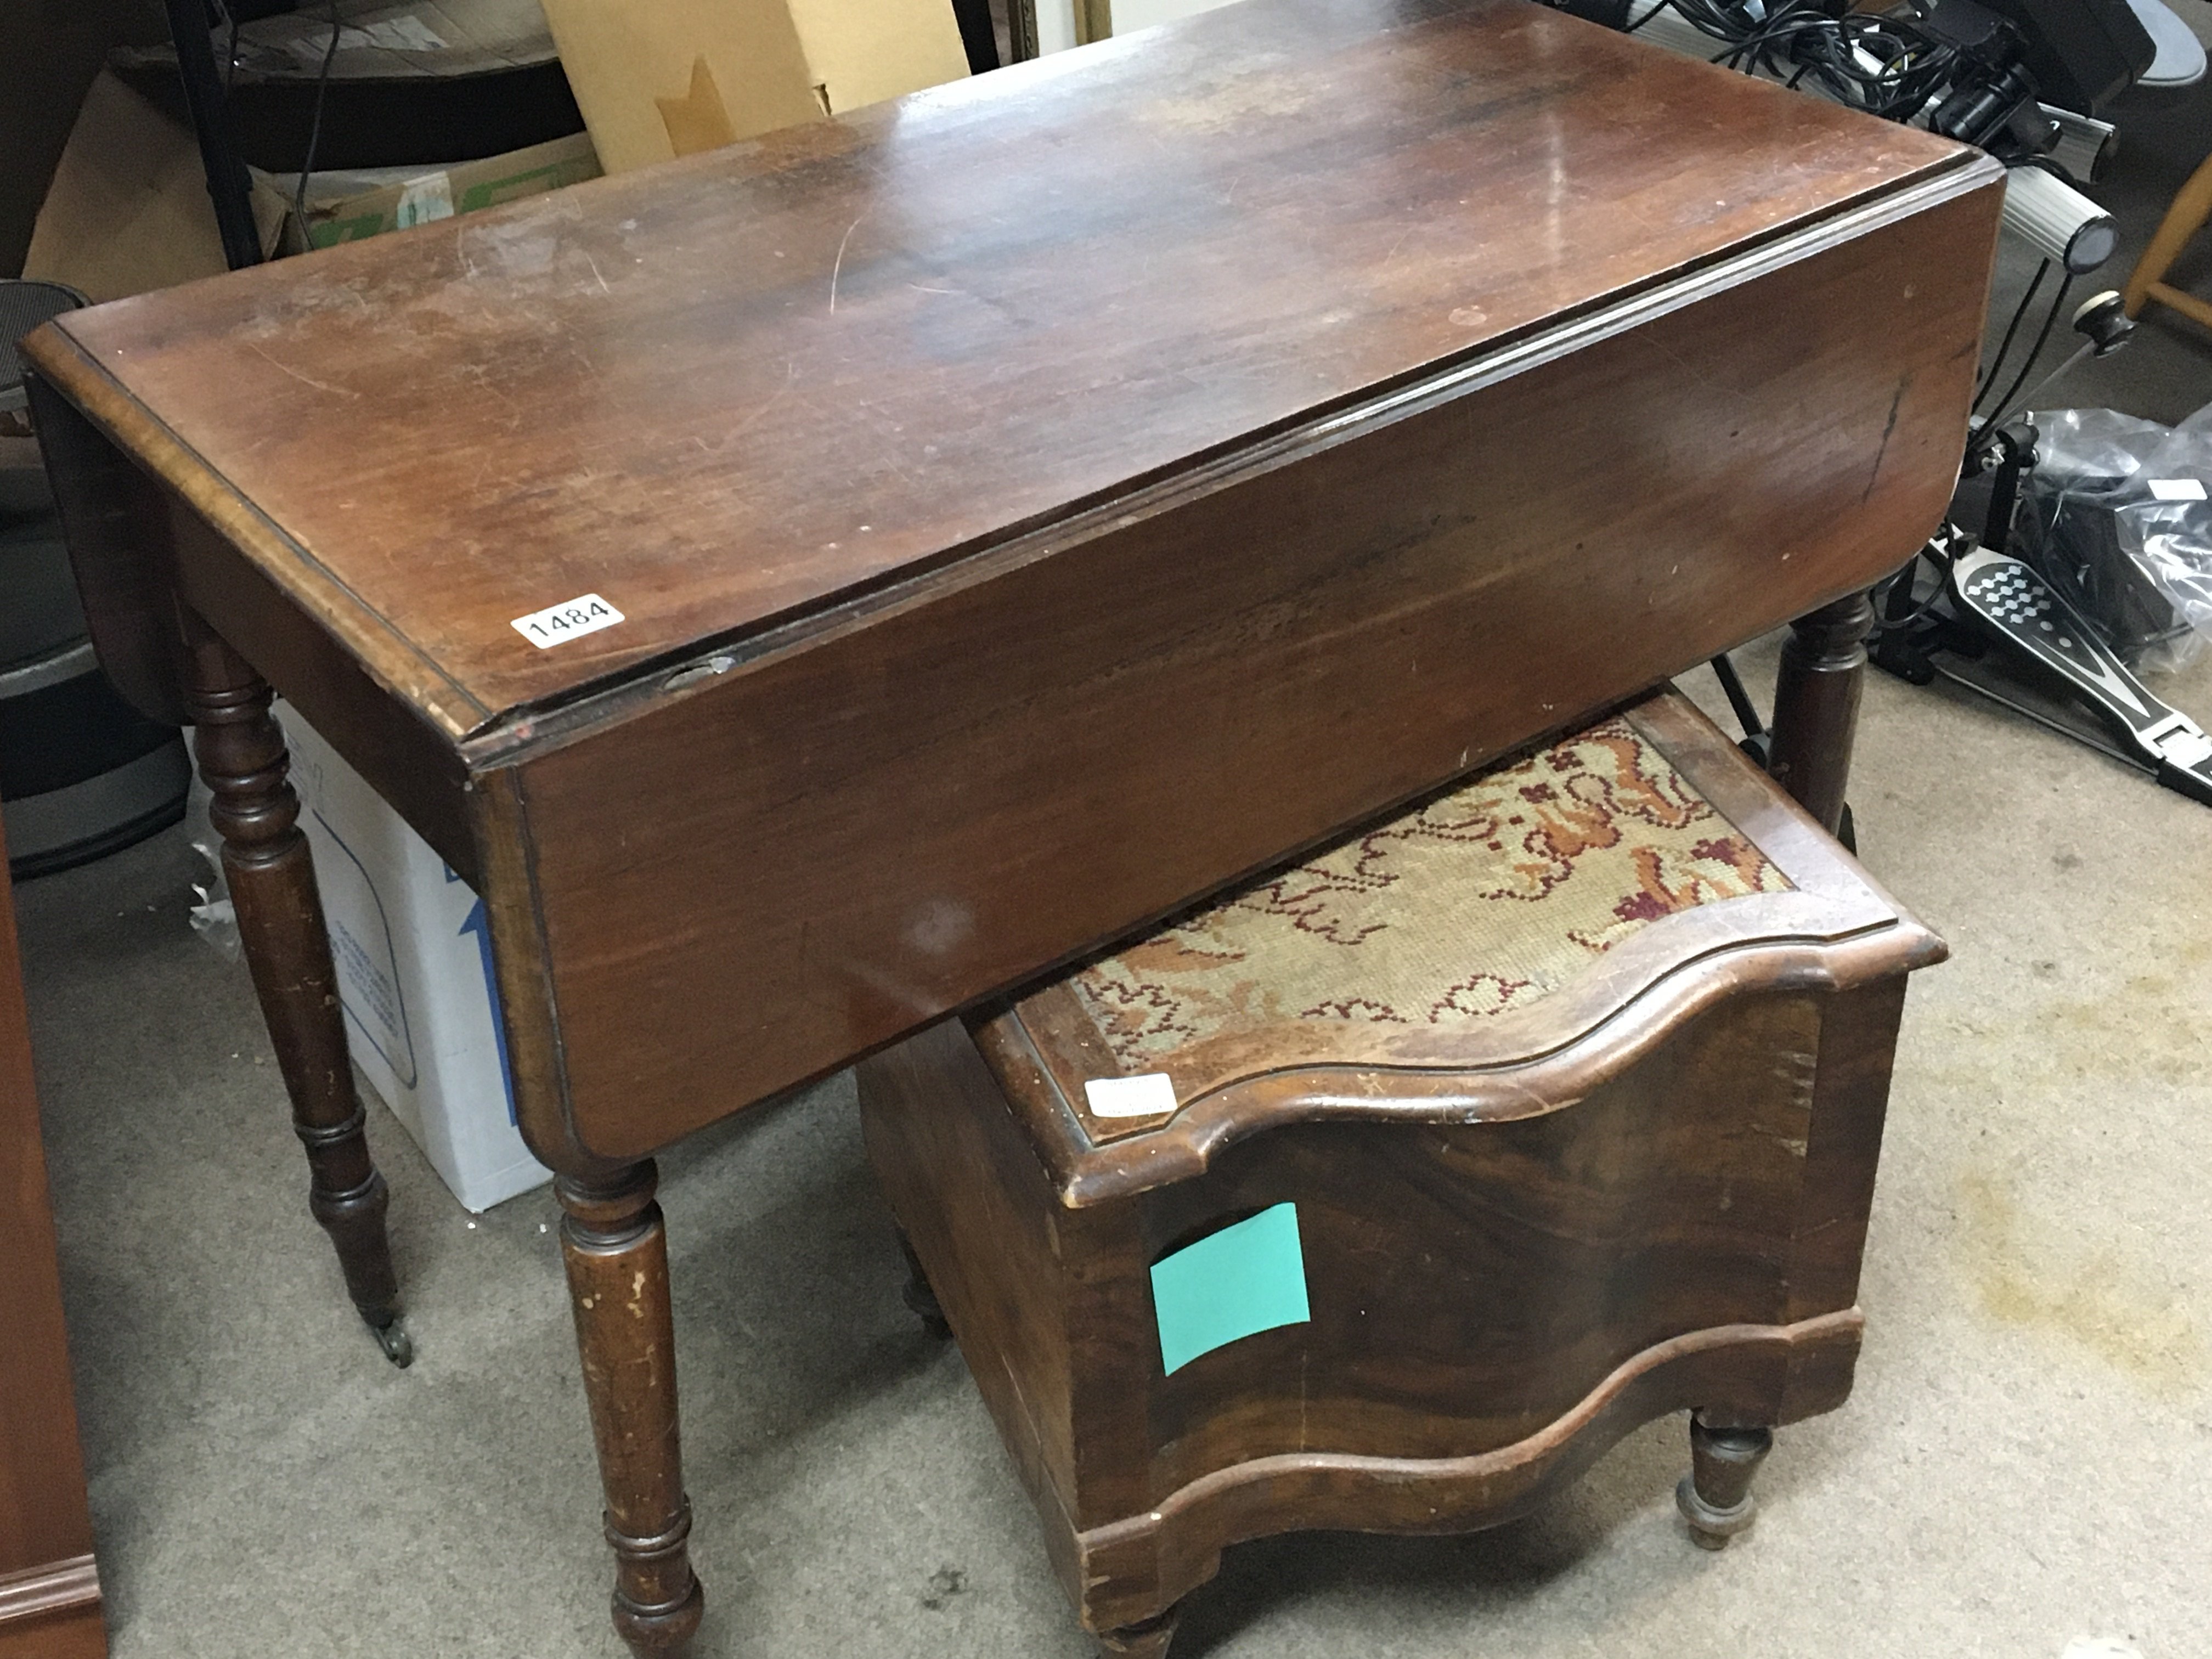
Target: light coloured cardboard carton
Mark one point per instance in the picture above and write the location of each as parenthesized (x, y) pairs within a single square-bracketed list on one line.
[(662, 78), (129, 212), (345, 207), (409, 940)]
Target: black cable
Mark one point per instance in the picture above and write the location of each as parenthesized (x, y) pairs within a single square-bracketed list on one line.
[(1909, 577), (1636, 23), (1787, 22), (1783, 30), (1885, 66), (1996, 363), (1805, 40), (1885, 595), (315, 130), (2049, 322)]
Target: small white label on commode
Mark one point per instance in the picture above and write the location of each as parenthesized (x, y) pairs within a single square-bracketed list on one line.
[(557, 624), (2177, 489), (1152, 1095)]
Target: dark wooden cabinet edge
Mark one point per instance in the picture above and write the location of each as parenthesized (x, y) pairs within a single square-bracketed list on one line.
[(49, 1599), (76, 1631), (1798, 1371)]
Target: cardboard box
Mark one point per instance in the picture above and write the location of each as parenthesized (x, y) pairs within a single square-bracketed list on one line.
[(414, 963), (129, 212), (662, 78), (344, 207)]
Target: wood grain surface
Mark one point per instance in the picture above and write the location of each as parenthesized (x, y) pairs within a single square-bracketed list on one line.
[(1496, 1303), (1218, 437), (876, 822), (1033, 505), (744, 385), (1509, 1262)]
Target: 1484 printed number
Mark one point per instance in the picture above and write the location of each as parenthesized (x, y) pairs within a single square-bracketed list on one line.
[(556, 624)]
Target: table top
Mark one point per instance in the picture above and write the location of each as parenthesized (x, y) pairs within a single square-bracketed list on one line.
[(745, 386)]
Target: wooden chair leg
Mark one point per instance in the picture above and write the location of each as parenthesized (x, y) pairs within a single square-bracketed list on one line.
[(1714, 1497), (265, 858), (617, 1251), (2192, 207), (1816, 705), (920, 1298), (1146, 1640)]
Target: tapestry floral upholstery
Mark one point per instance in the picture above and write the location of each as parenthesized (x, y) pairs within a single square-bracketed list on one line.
[(1481, 900)]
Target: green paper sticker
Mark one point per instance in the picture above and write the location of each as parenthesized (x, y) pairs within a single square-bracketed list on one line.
[(1247, 1278)]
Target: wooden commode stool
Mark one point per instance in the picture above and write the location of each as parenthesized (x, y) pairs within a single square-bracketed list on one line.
[(1422, 1171)]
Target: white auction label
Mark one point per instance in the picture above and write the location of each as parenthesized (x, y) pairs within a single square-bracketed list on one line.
[(556, 624), (2177, 489), (1152, 1095)]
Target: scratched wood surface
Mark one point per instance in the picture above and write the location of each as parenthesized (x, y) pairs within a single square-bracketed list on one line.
[(1032, 505), (724, 391), (1253, 423), (842, 838)]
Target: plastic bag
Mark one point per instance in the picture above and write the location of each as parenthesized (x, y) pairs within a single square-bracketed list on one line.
[(2116, 515), (215, 913)]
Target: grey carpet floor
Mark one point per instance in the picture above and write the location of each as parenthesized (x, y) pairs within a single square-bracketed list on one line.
[(2027, 1462)]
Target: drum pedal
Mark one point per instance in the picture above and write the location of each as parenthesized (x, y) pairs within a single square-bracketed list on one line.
[(2005, 597)]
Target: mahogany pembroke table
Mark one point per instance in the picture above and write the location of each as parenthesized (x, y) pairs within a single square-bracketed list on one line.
[(1028, 506)]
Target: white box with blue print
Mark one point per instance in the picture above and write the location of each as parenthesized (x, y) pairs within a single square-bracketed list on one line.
[(414, 964)]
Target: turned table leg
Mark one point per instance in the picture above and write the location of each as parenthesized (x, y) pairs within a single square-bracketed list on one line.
[(266, 858), (1714, 1497), (1146, 1640), (921, 1296), (617, 1251), (1816, 705)]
